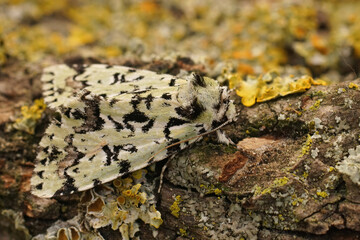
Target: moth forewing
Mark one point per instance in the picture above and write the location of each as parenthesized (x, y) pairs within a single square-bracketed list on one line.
[(120, 120)]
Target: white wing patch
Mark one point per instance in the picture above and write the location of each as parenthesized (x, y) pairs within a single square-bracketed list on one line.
[(115, 120)]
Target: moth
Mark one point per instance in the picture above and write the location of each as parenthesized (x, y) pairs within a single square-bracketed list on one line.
[(112, 120)]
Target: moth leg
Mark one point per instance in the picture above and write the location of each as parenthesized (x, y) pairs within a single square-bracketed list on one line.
[(222, 138), (162, 175)]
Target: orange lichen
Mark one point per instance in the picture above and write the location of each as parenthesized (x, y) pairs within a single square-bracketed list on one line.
[(61, 235), (319, 43), (96, 206), (86, 197), (74, 234), (71, 233), (121, 200)]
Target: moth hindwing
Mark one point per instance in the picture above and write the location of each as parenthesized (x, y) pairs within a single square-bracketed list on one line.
[(114, 120)]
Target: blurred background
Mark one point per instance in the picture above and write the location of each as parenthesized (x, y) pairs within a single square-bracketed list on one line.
[(245, 37)]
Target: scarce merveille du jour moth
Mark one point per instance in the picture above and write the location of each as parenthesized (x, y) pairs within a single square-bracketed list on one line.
[(113, 120)]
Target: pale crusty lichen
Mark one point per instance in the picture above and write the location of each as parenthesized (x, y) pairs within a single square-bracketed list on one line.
[(71, 229), (350, 166)]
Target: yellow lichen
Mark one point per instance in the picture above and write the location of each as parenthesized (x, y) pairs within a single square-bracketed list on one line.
[(134, 196), (296, 200), (306, 147), (322, 194), (257, 190), (279, 182), (121, 200), (269, 86), (121, 212), (353, 86), (79, 36), (217, 191), (139, 173), (183, 232), (174, 208), (30, 116), (316, 105), (266, 191), (211, 189)]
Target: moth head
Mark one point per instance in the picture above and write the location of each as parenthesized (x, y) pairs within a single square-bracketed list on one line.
[(206, 102)]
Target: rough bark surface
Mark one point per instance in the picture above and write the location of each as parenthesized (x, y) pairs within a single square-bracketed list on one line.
[(279, 182)]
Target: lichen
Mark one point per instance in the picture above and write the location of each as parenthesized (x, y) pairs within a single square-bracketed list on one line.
[(70, 233), (353, 86), (69, 230), (175, 208), (322, 194), (15, 224), (134, 201), (350, 166), (183, 232), (316, 105), (211, 189), (278, 182), (120, 205), (269, 86), (306, 147), (30, 116)]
